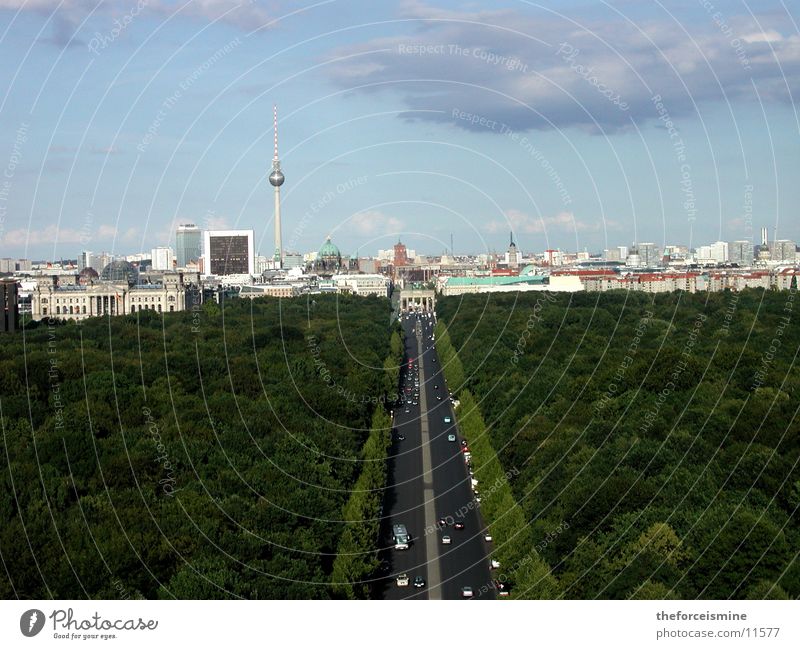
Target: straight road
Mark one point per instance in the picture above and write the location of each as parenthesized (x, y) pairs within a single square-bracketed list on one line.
[(428, 481)]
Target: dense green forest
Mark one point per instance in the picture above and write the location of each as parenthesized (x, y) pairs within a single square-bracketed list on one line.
[(204, 454), (651, 440)]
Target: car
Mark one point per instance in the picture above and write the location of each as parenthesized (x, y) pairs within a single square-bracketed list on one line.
[(442, 522), (451, 438), (407, 410), (463, 442), (466, 591), (459, 526), (503, 589), (446, 540), (438, 397), (447, 420), (434, 359), (487, 537), (419, 582), (402, 580), (415, 403), (401, 438), (494, 564), (435, 387)]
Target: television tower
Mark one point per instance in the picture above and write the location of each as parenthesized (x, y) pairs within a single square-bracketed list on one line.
[(276, 180)]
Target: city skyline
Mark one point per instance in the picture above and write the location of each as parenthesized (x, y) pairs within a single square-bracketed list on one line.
[(180, 131)]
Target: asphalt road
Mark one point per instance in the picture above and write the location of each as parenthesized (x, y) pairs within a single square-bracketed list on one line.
[(428, 480)]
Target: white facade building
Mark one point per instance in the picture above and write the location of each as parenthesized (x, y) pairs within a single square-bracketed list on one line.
[(161, 258), (362, 284)]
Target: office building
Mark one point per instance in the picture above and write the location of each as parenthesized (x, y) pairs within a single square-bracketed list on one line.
[(161, 258), (719, 251), (228, 252), (783, 250), (649, 254), (9, 293), (740, 252), (188, 244)]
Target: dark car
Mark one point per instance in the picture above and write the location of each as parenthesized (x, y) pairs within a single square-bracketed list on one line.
[(459, 526), (419, 582)]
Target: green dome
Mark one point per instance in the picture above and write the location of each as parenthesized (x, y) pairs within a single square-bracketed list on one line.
[(328, 249)]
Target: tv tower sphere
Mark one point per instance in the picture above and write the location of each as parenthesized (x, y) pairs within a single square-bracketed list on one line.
[(276, 178)]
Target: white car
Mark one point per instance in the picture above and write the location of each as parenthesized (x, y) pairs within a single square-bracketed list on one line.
[(466, 591), (446, 540), (402, 580), (451, 438), (487, 537), (447, 420)]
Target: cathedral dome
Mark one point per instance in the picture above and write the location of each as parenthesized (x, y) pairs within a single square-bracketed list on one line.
[(329, 250)]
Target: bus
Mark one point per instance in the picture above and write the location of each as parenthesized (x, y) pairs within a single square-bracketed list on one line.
[(400, 537)]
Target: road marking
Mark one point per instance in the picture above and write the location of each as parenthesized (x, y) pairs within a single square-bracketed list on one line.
[(431, 547)]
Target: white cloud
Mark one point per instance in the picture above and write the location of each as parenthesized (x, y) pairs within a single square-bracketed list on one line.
[(769, 36), (374, 222)]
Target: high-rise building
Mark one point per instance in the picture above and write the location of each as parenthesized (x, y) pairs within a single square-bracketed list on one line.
[(161, 258), (228, 252), (783, 250), (85, 260), (764, 238), (741, 252), (188, 244), (649, 254), (703, 254), (719, 251), (8, 296), (276, 179)]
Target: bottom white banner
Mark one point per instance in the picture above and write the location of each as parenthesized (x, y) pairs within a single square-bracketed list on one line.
[(367, 624)]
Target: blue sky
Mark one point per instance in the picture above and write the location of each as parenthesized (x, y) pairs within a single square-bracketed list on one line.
[(401, 119)]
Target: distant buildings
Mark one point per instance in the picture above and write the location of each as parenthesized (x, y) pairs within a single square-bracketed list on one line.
[(8, 265), (228, 252), (188, 244)]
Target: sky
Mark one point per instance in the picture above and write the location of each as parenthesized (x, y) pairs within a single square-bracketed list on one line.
[(578, 125)]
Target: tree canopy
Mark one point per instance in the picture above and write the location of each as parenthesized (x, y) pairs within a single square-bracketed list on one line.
[(652, 441), (203, 454)]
